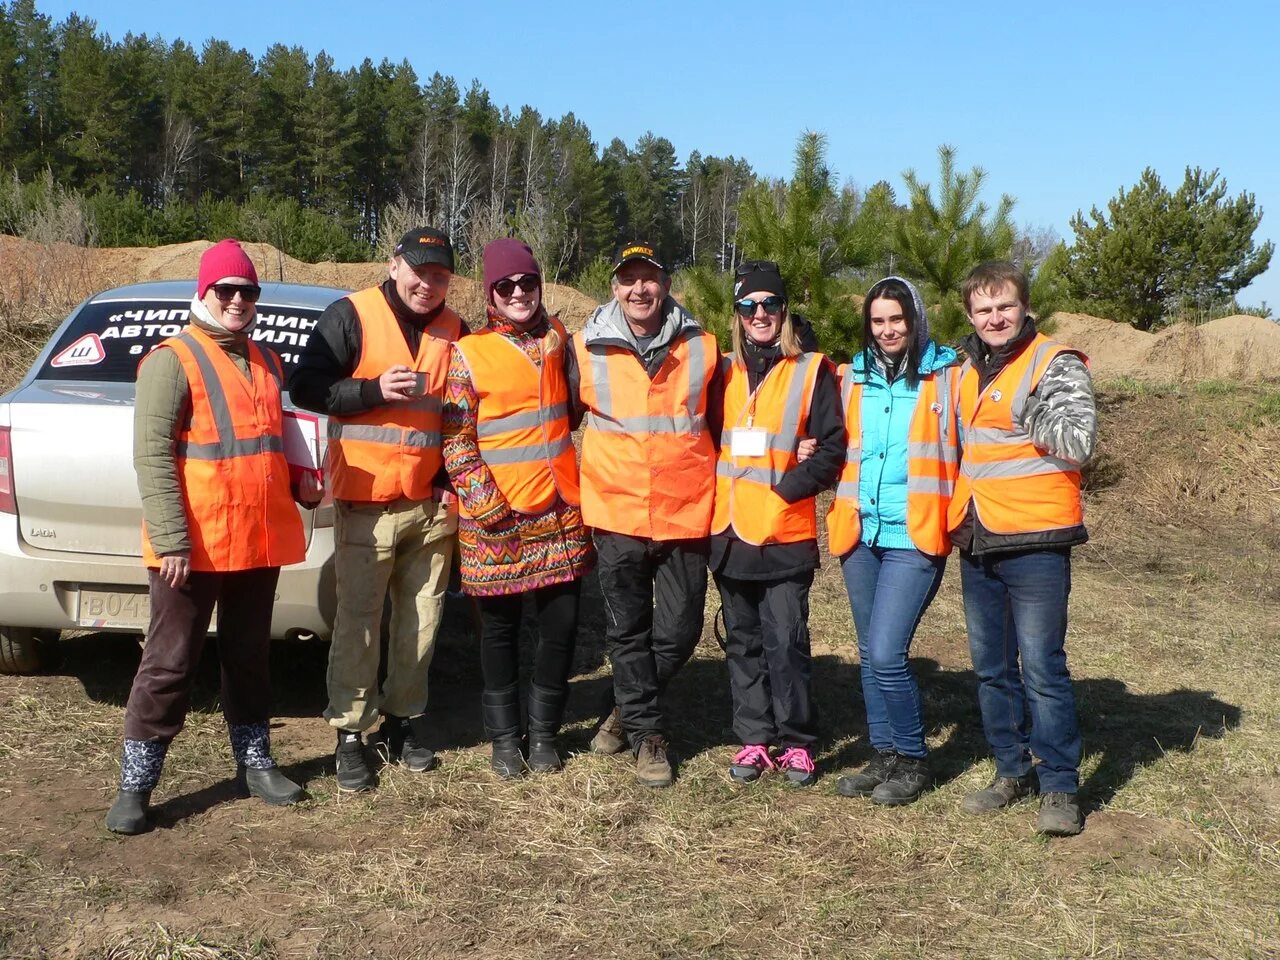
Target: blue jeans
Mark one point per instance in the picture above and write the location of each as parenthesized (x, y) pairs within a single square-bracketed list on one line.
[(889, 591), (1015, 605)]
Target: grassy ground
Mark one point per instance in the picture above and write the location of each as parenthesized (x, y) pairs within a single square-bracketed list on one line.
[(1174, 646)]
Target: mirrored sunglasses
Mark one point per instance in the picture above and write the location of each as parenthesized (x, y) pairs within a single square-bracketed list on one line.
[(772, 306), (527, 282)]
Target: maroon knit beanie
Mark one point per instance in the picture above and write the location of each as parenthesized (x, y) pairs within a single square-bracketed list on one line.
[(224, 259), (507, 257)]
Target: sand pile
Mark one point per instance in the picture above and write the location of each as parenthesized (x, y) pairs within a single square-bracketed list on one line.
[(1239, 347), (76, 272)]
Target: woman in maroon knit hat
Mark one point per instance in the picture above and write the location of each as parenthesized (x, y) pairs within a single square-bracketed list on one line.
[(509, 453)]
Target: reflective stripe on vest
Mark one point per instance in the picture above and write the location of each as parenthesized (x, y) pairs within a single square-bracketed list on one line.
[(233, 441), (1014, 486), (522, 419), (648, 463), (932, 464), (392, 450), (745, 498)]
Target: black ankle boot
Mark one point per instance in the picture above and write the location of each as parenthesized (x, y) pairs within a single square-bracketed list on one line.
[(501, 709), (909, 779), (546, 709)]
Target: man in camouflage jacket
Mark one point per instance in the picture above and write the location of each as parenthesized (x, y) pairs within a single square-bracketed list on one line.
[(1016, 582)]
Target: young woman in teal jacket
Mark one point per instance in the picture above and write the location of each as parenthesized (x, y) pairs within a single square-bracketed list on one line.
[(888, 523)]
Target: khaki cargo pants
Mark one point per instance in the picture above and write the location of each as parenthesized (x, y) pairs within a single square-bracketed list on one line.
[(404, 547)]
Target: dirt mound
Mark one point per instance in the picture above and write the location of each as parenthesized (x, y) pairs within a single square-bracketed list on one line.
[(1240, 347), (76, 272)]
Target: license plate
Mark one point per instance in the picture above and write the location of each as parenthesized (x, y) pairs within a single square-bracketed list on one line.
[(126, 609), (121, 610)]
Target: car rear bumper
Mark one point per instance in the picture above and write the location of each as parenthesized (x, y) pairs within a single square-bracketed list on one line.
[(43, 588)]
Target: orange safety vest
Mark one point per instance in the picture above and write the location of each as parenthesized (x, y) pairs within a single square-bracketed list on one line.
[(522, 421), (744, 484), (230, 458), (393, 450), (648, 462), (932, 463), (1014, 486)]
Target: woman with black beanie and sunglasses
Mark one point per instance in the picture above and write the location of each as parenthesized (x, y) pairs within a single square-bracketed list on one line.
[(764, 544)]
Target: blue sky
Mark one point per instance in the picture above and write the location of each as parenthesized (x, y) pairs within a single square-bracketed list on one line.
[(1062, 107)]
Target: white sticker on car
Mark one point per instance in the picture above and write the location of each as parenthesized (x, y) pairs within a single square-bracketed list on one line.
[(85, 352)]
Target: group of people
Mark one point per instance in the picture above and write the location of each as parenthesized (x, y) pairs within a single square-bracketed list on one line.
[(691, 463)]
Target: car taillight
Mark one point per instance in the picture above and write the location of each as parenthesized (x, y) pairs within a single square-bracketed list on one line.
[(7, 502)]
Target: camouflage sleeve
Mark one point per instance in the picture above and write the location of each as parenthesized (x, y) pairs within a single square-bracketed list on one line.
[(1061, 416)]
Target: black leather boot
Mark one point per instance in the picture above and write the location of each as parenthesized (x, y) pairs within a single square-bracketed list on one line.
[(501, 710), (546, 709)]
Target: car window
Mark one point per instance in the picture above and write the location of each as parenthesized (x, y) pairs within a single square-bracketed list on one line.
[(107, 339)]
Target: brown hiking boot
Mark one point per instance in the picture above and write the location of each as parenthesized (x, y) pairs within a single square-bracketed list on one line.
[(610, 737), (1060, 815), (653, 766), (1002, 792)]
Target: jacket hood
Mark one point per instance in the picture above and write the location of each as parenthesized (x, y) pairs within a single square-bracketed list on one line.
[(608, 324), (922, 322)]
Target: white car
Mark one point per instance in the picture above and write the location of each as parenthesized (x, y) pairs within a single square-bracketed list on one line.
[(70, 513)]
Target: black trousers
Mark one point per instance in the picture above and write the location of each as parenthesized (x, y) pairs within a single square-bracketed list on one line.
[(769, 662), (501, 616), (161, 693), (654, 594)]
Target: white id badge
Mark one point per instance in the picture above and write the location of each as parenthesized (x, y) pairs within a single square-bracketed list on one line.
[(746, 442)]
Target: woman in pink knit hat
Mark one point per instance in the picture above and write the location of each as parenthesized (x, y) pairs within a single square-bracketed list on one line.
[(219, 520), (509, 453)]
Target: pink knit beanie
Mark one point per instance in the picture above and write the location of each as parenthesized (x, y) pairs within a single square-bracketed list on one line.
[(224, 259)]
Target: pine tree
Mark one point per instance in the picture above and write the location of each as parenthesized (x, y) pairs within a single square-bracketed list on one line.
[(283, 81), (327, 140), (1160, 253), (224, 103), (812, 231), (938, 241)]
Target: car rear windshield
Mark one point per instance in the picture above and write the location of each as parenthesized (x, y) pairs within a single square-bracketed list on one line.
[(107, 339)]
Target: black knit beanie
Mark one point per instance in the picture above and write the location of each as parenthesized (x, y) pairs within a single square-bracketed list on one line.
[(758, 276)]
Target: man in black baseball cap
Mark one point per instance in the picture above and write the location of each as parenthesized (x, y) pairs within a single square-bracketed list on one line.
[(644, 377), (366, 366)]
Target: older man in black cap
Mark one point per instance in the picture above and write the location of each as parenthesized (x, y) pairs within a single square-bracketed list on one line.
[(376, 365), (643, 373)]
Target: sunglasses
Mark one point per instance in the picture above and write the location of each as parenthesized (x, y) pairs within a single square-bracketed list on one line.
[(752, 266), (527, 282), (249, 292), (772, 306)]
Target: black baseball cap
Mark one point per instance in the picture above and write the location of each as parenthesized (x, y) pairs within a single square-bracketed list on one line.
[(638, 250), (426, 245)]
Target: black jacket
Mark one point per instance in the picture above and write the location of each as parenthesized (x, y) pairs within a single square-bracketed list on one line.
[(730, 557)]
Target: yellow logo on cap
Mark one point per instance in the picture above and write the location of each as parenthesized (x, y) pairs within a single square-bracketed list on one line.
[(642, 251), (431, 241)]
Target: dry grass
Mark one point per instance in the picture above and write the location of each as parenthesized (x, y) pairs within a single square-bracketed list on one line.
[(1173, 646)]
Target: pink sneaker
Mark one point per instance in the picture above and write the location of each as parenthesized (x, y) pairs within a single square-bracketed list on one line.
[(750, 762), (797, 764)]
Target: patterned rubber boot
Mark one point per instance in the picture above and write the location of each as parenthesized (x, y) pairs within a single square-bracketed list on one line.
[(251, 744), (141, 762)]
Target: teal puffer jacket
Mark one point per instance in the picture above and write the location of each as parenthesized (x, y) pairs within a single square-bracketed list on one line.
[(887, 409)]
